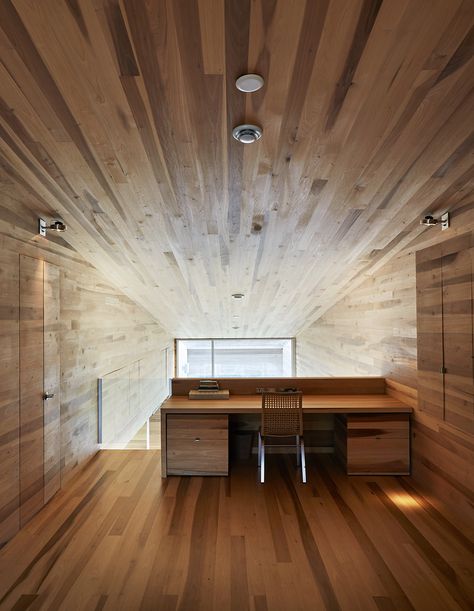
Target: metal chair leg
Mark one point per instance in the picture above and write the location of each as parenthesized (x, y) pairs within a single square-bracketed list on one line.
[(259, 447), (303, 462), (297, 450), (262, 462)]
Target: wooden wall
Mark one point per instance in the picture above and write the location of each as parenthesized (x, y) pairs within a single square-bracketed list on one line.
[(101, 330), (372, 331), (249, 386)]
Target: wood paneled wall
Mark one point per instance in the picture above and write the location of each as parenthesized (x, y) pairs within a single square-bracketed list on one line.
[(372, 331), (309, 386), (100, 330)]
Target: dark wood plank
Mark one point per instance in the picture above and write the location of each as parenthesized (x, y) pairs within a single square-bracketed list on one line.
[(237, 28), (458, 334), (429, 309), (368, 14)]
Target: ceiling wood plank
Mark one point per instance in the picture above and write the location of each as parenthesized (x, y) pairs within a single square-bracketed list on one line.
[(116, 115)]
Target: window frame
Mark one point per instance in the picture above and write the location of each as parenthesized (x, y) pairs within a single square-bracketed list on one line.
[(215, 339)]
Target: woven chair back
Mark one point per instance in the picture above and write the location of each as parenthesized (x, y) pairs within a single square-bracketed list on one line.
[(282, 413)]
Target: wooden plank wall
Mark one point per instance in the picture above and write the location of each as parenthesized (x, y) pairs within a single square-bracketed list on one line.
[(248, 386), (373, 331), (100, 330)]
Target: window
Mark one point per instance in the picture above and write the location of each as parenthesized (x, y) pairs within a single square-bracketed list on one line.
[(235, 358)]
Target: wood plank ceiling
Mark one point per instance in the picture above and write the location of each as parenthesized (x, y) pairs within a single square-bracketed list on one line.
[(117, 115)]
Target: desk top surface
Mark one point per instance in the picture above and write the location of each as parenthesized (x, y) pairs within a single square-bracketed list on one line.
[(324, 404)]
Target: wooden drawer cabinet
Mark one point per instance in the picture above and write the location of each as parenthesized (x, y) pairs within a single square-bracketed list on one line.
[(197, 444), (374, 444)]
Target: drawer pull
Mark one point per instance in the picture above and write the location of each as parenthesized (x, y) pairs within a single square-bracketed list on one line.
[(197, 439)]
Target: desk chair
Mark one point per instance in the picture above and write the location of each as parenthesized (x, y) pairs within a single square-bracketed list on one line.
[(282, 416)]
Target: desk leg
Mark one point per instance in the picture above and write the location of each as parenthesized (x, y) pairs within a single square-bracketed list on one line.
[(164, 468)]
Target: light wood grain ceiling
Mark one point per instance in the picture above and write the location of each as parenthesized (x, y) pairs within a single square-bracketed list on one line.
[(117, 115)]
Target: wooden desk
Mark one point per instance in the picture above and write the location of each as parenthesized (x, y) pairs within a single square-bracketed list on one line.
[(372, 432)]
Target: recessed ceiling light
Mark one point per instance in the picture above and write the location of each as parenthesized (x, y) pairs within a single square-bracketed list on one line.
[(238, 295), (246, 134), (248, 83), (235, 327)]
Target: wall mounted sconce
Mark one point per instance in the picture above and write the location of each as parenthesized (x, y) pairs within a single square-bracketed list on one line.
[(57, 226), (430, 221)]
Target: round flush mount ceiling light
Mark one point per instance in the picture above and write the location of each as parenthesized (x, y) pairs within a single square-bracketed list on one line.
[(247, 134), (248, 83), (238, 295)]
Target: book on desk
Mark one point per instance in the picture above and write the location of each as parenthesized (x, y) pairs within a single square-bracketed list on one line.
[(208, 389)]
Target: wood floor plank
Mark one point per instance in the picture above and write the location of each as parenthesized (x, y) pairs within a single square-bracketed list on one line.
[(119, 537), (376, 560), (445, 572)]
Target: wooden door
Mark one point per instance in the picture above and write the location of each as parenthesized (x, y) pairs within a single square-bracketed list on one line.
[(9, 397), (51, 382), (458, 339), (39, 434), (31, 387)]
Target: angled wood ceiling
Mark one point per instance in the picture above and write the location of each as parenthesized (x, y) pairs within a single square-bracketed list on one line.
[(117, 116)]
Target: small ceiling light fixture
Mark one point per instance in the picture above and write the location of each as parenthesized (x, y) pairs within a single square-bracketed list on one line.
[(238, 295), (248, 83), (57, 226), (247, 134), (430, 221)]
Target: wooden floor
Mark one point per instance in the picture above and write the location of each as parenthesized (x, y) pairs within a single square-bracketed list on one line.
[(120, 537)]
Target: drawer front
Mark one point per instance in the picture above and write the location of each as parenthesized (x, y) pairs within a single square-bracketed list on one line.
[(378, 455), (197, 445), (389, 426), (378, 444), (204, 457), (204, 426)]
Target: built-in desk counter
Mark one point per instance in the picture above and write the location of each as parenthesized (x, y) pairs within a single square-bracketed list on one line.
[(372, 429), (322, 404)]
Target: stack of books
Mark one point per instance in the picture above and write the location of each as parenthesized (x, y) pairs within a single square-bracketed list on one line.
[(208, 389)]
